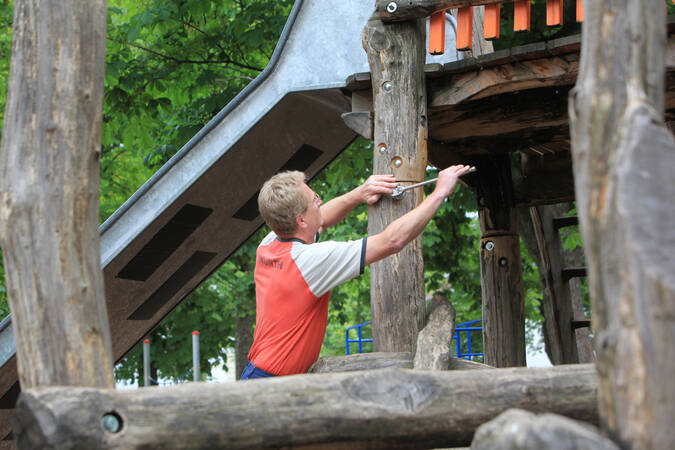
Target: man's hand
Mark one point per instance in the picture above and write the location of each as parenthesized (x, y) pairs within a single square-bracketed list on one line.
[(375, 186), (447, 179)]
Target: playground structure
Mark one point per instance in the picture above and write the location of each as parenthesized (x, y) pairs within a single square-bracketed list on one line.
[(460, 101)]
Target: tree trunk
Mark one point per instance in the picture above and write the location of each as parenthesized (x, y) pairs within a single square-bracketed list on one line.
[(243, 335), (50, 173), (392, 408), (396, 55), (623, 170)]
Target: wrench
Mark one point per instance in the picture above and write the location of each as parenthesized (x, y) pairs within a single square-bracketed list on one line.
[(399, 191)]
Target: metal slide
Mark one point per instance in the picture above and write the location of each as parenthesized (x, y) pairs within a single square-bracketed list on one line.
[(201, 206)]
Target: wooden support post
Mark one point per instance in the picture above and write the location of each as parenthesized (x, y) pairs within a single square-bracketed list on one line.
[(376, 409), (396, 54), (557, 305), (501, 273), (49, 185), (624, 156)]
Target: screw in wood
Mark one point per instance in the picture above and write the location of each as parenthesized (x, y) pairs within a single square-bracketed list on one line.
[(111, 422), (387, 86), (382, 149), (392, 7), (396, 162), (489, 246)]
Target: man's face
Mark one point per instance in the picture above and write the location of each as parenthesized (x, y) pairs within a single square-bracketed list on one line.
[(312, 215)]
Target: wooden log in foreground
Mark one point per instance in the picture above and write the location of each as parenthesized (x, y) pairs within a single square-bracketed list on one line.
[(391, 408)]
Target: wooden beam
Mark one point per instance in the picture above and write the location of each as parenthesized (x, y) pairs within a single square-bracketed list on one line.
[(396, 55), (49, 159), (500, 266), (391, 408), (623, 170), (399, 11), (505, 78)]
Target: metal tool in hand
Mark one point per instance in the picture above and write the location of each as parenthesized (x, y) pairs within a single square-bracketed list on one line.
[(399, 191)]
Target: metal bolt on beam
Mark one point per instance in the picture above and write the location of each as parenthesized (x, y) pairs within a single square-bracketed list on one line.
[(489, 246), (111, 423), (392, 7)]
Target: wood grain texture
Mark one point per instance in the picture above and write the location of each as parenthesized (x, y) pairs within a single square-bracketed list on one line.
[(49, 187), (623, 168), (500, 265), (391, 408), (396, 55)]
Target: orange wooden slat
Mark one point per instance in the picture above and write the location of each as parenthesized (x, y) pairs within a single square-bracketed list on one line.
[(437, 33), (491, 21), (580, 11), (554, 12), (521, 16), (464, 28)]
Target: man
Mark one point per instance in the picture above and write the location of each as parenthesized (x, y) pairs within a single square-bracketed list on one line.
[(294, 274)]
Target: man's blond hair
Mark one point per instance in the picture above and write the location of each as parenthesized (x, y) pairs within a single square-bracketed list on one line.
[(281, 199)]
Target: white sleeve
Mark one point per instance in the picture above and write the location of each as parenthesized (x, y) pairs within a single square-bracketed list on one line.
[(269, 238), (324, 265)]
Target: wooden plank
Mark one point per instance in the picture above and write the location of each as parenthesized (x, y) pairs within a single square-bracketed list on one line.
[(521, 15), (396, 54), (554, 13), (464, 36), (390, 408), (491, 23), (50, 164), (624, 156), (437, 33), (6, 417), (416, 9), (505, 78)]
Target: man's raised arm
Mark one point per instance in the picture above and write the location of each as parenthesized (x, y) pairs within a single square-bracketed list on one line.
[(369, 192)]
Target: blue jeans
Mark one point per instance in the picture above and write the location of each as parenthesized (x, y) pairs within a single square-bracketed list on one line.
[(251, 371)]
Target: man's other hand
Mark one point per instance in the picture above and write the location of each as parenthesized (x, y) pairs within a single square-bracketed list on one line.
[(447, 179), (376, 185)]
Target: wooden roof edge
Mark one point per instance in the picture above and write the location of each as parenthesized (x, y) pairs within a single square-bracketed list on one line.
[(544, 49)]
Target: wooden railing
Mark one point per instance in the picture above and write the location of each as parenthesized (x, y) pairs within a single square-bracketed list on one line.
[(394, 10)]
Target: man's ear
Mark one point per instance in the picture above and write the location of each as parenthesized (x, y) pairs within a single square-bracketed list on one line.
[(300, 222)]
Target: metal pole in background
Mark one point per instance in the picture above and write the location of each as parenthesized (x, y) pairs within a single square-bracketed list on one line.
[(195, 356), (146, 362)]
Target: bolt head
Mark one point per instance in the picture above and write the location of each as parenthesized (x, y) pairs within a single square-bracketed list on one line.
[(382, 149), (397, 163), (387, 86), (489, 246), (392, 7), (111, 423)]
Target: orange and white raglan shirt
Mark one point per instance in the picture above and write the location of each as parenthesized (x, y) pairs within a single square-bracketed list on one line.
[(292, 285)]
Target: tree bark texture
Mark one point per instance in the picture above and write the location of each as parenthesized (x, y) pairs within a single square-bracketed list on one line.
[(49, 211), (392, 408), (396, 54), (500, 265), (623, 169), (244, 335)]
